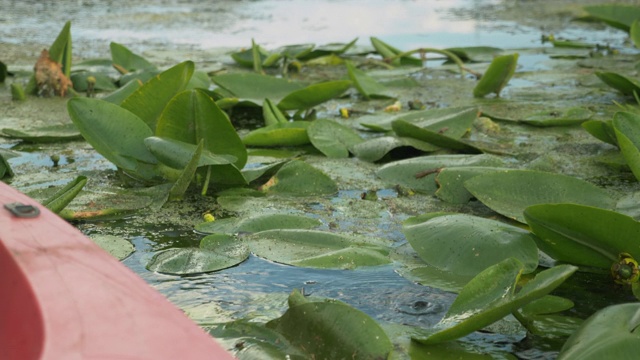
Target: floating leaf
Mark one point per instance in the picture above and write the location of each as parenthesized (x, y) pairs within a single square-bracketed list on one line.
[(313, 95), (419, 173), (439, 138), (332, 330), (332, 139), (376, 148), (255, 88), (246, 57), (45, 134), (611, 333), (115, 133), (192, 116), (328, 50), (562, 117), (64, 196), (150, 99), (497, 75), (367, 86), (434, 119), (126, 61), (255, 173), (301, 179), (451, 181), (216, 252), (318, 249), (118, 96), (476, 53), (280, 134), (258, 223), (616, 15), (466, 245), (492, 295), (509, 192), (116, 246), (584, 235), (627, 129), (624, 84)]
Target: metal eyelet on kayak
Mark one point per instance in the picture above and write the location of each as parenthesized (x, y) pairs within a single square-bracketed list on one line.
[(22, 210)]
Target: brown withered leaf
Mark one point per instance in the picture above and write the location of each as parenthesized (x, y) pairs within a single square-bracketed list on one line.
[(49, 76)]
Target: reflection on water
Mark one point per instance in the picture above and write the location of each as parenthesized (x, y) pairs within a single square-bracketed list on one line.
[(205, 25)]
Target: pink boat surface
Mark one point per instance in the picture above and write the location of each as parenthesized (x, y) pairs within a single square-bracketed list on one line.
[(63, 297)]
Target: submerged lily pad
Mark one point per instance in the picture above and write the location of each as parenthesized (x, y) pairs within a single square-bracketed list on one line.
[(258, 223), (332, 139), (510, 192), (584, 235), (376, 148), (118, 247), (216, 252), (318, 249), (562, 117), (466, 245)]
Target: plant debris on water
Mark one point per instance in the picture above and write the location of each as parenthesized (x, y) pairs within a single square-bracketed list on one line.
[(347, 201)]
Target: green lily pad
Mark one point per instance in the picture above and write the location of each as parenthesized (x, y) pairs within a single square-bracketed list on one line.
[(255, 173), (332, 330), (627, 129), (118, 96), (617, 15), (331, 49), (125, 59), (584, 235), (367, 86), (451, 181), (562, 117), (246, 57), (216, 252), (45, 134), (313, 95), (318, 249), (610, 333), (258, 223), (255, 88), (548, 304), (497, 75), (280, 134), (150, 99), (419, 173), (298, 178), (623, 84), (509, 192), (115, 133), (332, 139), (406, 129), (375, 149), (192, 116), (116, 246), (492, 295), (177, 154), (466, 245)]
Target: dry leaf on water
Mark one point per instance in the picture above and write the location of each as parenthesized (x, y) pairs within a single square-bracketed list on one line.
[(50, 77)]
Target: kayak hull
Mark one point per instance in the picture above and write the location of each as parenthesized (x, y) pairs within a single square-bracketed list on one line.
[(63, 297)]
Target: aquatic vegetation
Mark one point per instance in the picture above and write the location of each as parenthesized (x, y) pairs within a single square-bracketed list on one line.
[(278, 158)]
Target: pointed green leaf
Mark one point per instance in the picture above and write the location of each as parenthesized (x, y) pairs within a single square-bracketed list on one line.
[(298, 178), (45, 134), (115, 133), (617, 15), (271, 113), (387, 51), (192, 116), (64, 196), (125, 59), (376, 148), (627, 129), (177, 154), (451, 181), (332, 139), (280, 134), (561, 117), (313, 95), (440, 138), (497, 75), (584, 235), (118, 96), (60, 50), (367, 86), (624, 84), (601, 130), (634, 33), (255, 88), (509, 192), (433, 119), (150, 99), (184, 179)]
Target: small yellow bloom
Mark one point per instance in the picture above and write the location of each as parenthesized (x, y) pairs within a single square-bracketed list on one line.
[(345, 113), (625, 271), (208, 217), (396, 106)]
